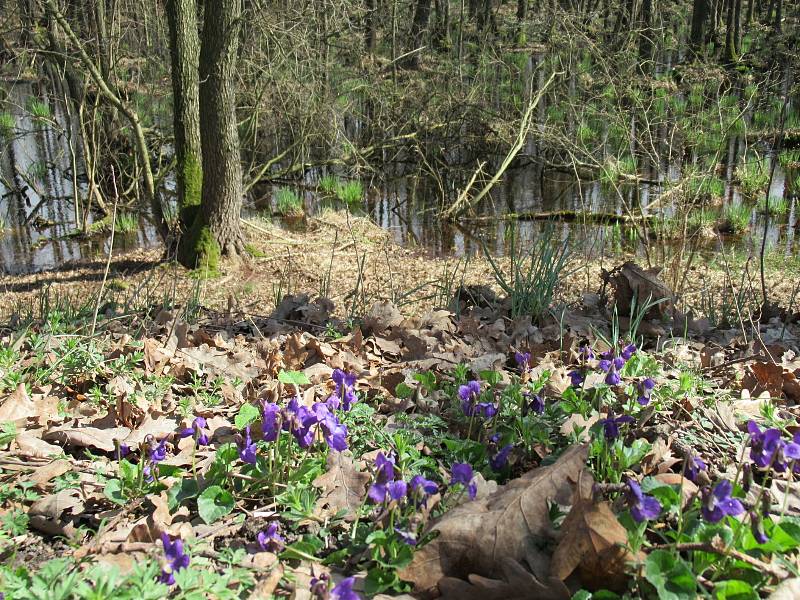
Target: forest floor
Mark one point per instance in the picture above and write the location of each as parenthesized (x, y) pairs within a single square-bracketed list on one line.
[(195, 447)]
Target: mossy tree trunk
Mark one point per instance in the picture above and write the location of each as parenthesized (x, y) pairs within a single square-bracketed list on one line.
[(216, 229), (185, 59), (700, 10)]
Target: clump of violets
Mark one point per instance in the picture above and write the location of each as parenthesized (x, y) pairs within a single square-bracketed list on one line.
[(247, 448), (523, 360), (461, 474), (470, 395), (344, 395), (306, 424), (612, 363), (321, 589), (768, 450), (642, 506), (386, 486), (612, 423), (719, 503), (197, 430), (270, 540), (176, 559)]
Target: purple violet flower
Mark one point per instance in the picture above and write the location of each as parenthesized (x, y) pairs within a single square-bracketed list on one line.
[(461, 473), (618, 363), (270, 421), (604, 365), (345, 389), (628, 351), (766, 447), (197, 431), (384, 474), (344, 590), (694, 464), (247, 449), (586, 352), (420, 489), (469, 394), (499, 461), (642, 506), (719, 503), (407, 536), (270, 540), (523, 360), (611, 424), (576, 378), (613, 378), (177, 559), (757, 527), (535, 404), (645, 387)]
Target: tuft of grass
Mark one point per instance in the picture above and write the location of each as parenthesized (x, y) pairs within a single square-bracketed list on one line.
[(735, 219), (126, 223), (38, 110), (351, 192), (753, 176), (536, 272), (6, 125), (329, 183), (288, 203), (778, 207), (615, 168)]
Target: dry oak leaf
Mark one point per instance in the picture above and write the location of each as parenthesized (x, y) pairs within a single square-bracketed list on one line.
[(343, 486), (593, 542), (381, 317), (763, 376), (29, 444), (87, 437), (17, 406), (479, 537), (518, 584)]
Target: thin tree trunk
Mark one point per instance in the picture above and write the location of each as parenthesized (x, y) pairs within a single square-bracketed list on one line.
[(371, 34), (419, 26), (185, 57)]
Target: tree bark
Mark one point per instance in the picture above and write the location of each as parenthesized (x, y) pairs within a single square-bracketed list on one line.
[(370, 33), (185, 58), (419, 26), (217, 229), (699, 16)]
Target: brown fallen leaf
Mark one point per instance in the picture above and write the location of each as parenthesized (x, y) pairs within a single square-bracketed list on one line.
[(479, 537), (42, 475), (17, 406), (593, 542), (265, 587), (763, 376), (518, 583), (87, 437), (29, 444), (343, 486)]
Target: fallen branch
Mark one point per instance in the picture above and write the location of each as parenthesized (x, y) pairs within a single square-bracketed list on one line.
[(464, 202)]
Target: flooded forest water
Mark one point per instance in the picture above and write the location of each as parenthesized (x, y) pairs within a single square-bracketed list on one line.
[(43, 184)]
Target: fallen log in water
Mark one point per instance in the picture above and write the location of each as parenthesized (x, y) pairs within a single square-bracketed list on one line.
[(566, 215)]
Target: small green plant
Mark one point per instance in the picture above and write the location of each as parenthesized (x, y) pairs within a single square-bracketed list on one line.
[(535, 274), (6, 125), (778, 207), (735, 219), (329, 183), (126, 223), (39, 110), (350, 192), (753, 176), (288, 203)]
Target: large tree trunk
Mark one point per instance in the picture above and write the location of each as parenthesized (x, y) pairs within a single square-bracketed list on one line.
[(185, 58), (699, 16), (216, 229), (419, 26)]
